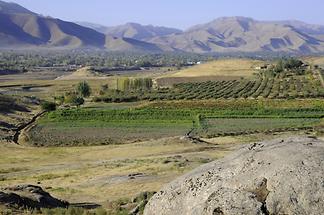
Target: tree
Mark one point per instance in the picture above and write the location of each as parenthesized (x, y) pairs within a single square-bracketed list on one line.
[(84, 89)]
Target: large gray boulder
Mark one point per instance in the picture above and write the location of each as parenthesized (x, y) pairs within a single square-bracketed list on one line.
[(274, 177)]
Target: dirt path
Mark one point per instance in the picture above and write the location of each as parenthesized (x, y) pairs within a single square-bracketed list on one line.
[(24, 126)]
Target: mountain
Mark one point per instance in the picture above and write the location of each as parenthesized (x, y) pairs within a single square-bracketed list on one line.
[(303, 27), (241, 34), (29, 30), (96, 27), (133, 30), (13, 8), (21, 28), (129, 44), (140, 32)]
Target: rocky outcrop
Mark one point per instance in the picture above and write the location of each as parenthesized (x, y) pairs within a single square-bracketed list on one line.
[(273, 177), (29, 196)]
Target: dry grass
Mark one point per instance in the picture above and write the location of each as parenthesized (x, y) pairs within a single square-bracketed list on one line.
[(224, 67), (46, 89), (99, 173)]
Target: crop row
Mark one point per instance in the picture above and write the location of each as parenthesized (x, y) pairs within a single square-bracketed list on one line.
[(264, 86), (153, 114)]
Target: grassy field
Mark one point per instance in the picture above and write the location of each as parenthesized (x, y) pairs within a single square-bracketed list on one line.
[(99, 173)]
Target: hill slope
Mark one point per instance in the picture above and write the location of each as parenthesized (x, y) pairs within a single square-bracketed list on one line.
[(13, 8), (132, 30), (140, 32), (20, 28), (29, 29), (240, 34)]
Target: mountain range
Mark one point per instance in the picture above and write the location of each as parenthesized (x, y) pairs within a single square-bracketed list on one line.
[(22, 28)]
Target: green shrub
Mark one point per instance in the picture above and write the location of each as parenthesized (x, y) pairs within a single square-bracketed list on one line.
[(78, 101), (73, 99), (48, 106)]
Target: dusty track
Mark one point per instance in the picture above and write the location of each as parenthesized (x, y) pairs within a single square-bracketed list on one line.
[(24, 126)]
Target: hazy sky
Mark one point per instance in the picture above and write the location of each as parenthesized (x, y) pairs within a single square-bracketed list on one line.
[(175, 13)]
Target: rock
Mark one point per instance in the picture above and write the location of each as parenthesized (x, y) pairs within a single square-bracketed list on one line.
[(29, 196), (273, 177)]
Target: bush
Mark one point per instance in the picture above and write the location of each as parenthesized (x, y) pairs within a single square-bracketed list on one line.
[(73, 99), (77, 101), (48, 106)]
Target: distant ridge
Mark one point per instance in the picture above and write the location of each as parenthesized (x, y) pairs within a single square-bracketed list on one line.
[(132, 30), (22, 28), (13, 8), (140, 32)]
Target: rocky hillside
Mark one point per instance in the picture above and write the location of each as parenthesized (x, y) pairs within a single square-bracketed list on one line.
[(283, 176), (240, 34), (21, 28), (140, 32), (10, 7), (133, 30)]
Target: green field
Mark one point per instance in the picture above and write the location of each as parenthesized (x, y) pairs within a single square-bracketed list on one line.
[(103, 126)]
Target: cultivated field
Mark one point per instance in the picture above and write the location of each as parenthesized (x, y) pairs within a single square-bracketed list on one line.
[(280, 87), (239, 126), (102, 126)]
